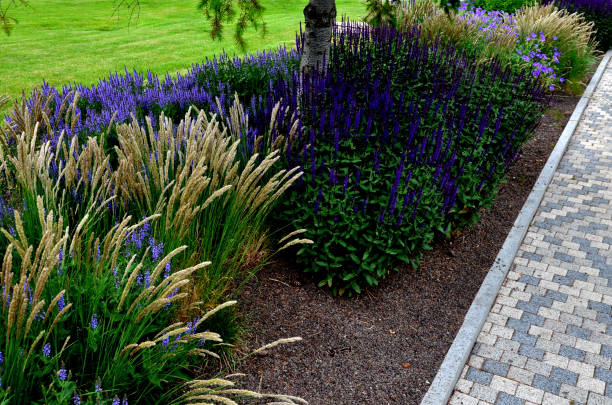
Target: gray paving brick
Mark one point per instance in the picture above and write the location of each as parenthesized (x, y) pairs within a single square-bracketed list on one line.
[(556, 295), (572, 353), (606, 351), (531, 352), (518, 325), (564, 376), (599, 307), (604, 318), (542, 301), (546, 384), (532, 319), (495, 367), (603, 375), (529, 279), (523, 337), (563, 257), (578, 332), (563, 280), (505, 399), (528, 306), (575, 275), (478, 376), (551, 240)]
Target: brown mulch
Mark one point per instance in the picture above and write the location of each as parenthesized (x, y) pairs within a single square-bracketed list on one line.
[(386, 345)]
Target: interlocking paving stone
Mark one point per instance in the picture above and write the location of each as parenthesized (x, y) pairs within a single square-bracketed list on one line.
[(523, 337), (478, 376), (531, 352), (564, 376), (555, 306), (572, 353), (578, 332), (604, 375), (505, 399), (495, 367), (546, 384)]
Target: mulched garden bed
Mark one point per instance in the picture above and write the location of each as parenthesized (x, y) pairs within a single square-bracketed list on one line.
[(384, 346)]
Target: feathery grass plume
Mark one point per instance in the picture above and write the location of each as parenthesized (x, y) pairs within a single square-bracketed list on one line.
[(276, 343), (469, 31), (4, 100), (191, 175), (73, 181), (573, 35), (25, 302), (28, 113)]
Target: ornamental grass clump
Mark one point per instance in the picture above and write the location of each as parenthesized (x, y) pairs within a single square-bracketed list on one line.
[(568, 39), (599, 12), (554, 44), (488, 34), (82, 323), (191, 174)]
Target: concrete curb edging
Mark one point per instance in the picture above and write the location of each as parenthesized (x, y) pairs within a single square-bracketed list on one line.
[(444, 383)]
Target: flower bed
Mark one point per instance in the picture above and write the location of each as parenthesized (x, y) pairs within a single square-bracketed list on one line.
[(404, 141), (116, 210)]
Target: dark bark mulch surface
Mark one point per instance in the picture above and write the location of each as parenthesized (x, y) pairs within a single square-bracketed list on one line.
[(385, 346)]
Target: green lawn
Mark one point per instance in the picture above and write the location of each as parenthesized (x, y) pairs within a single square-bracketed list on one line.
[(81, 41)]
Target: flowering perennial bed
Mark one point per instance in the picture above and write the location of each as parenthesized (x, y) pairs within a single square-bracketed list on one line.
[(115, 209)]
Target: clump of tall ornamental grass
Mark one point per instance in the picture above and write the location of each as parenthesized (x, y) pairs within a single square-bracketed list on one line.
[(554, 44), (191, 174), (487, 34), (599, 12), (568, 37), (84, 323)]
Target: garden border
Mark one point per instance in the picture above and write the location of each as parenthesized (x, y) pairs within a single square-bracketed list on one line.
[(444, 383)]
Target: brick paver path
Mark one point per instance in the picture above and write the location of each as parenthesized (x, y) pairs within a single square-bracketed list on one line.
[(548, 337)]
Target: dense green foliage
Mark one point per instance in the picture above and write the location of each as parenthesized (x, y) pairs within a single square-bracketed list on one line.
[(403, 142), (509, 6)]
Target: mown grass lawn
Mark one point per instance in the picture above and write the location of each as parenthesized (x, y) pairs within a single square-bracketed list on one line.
[(81, 41)]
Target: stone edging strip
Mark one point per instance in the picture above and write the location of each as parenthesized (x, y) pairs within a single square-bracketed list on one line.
[(444, 383)]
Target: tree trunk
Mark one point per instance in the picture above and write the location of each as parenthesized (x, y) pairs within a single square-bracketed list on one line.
[(320, 16)]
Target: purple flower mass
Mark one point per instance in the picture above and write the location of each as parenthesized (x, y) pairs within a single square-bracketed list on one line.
[(359, 105), (62, 374), (94, 321), (132, 93), (46, 350), (60, 302)]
